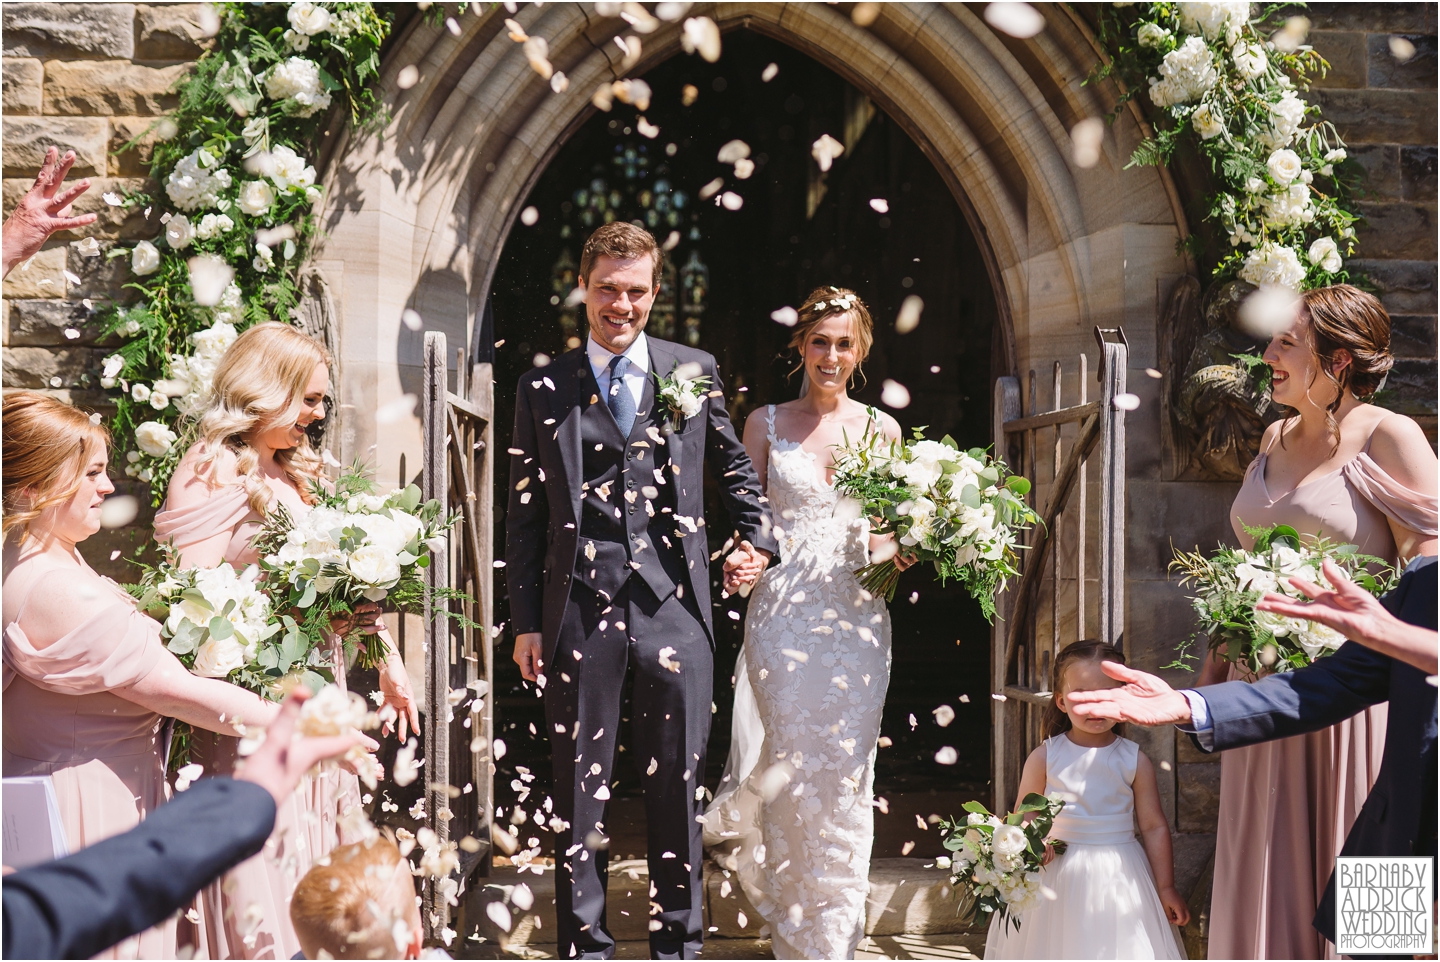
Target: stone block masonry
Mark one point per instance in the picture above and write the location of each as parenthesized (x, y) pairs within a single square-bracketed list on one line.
[(91, 77)]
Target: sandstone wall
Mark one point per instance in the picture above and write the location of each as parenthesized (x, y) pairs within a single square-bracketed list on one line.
[(90, 77)]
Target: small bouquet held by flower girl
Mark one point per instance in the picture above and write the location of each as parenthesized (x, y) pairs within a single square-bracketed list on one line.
[(1230, 582), (959, 510), (220, 624), (352, 546), (997, 862)]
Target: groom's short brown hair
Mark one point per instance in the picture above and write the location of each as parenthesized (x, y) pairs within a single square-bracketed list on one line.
[(620, 239)]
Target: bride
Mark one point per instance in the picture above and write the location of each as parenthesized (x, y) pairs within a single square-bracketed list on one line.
[(794, 813)]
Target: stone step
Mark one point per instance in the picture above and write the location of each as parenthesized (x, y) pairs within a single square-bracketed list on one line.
[(909, 897)]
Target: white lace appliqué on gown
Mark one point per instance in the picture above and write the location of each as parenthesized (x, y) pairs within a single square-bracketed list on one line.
[(810, 686)]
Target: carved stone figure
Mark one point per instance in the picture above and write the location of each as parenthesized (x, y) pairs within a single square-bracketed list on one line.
[(1218, 405)]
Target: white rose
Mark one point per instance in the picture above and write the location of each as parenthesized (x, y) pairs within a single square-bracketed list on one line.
[(308, 18), (1009, 841), (298, 41), (374, 566), (1255, 578), (140, 393), (255, 198), (217, 658), (1335, 156), (298, 80), (264, 258), (690, 405), (1290, 207), (1286, 116), (1284, 166), (1186, 74), (1214, 19), (197, 181), (1250, 59), (1152, 35), (178, 233), (159, 400), (1207, 121), (1326, 254), (1273, 265), (145, 259), (288, 169), (154, 438)]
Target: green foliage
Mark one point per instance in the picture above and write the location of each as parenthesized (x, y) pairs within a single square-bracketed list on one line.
[(972, 840), (1281, 179), (226, 111)]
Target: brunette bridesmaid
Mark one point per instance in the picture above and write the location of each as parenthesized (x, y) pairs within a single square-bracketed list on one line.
[(1354, 473), (252, 453), (87, 680)]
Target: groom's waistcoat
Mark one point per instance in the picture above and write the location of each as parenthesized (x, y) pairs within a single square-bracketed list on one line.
[(628, 533)]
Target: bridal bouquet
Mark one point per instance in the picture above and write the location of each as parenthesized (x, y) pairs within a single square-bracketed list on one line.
[(352, 546), (957, 509), (1231, 581), (218, 622), (997, 861)]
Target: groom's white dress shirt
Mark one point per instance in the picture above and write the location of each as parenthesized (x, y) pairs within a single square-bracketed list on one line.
[(1200, 724), (639, 354)]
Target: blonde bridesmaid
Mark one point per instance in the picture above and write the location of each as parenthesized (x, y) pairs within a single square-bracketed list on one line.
[(87, 681), (252, 454), (1346, 470)]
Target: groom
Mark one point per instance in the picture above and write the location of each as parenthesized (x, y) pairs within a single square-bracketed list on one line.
[(609, 576)]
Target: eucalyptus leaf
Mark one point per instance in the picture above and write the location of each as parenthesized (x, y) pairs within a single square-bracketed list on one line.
[(220, 628)]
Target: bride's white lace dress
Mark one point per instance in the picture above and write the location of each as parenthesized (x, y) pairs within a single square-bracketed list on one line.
[(797, 795)]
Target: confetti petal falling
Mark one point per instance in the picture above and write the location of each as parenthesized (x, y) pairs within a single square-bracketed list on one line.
[(118, 510), (785, 315), (947, 756), (1017, 19), (909, 317), (1086, 140), (826, 150), (209, 276), (894, 394), (408, 77), (701, 36)]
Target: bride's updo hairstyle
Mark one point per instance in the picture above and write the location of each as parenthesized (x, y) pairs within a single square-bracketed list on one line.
[(1089, 651), (46, 445), (826, 302), (1345, 318), (260, 384)]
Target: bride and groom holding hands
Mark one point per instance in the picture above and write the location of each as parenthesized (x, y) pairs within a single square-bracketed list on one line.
[(608, 570)]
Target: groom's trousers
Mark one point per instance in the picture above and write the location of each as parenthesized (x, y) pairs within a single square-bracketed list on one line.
[(663, 645)]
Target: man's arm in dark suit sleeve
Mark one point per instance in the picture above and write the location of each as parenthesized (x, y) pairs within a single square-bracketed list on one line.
[(735, 475), (78, 906), (526, 522), (1297, 702)]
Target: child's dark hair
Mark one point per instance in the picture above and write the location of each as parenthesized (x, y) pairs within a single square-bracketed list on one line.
[(1088, 651)]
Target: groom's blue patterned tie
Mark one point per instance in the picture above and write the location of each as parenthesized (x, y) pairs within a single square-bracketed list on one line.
[(622, 402)]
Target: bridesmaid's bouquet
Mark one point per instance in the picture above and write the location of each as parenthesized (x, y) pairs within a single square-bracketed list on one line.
[(352, 546), (1230, 582), (997, 862), (959, 510), (219, 623)]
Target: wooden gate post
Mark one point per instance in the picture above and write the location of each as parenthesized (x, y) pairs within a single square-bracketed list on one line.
[(1006, 407), (435, 483), (1114, 357)]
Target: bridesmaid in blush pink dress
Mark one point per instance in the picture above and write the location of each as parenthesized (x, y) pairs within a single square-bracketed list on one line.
[(252, 454), (1353, 473), (87, 680)]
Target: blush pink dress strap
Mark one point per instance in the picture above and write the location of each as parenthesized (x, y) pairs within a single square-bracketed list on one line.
[(63, 719), (227, 509), (1286, 806), (246, 914)]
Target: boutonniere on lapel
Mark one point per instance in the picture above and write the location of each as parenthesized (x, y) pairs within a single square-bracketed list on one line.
[(683, 392)]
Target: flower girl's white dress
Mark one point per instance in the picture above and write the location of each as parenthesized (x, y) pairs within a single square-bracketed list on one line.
[(1106, 905)]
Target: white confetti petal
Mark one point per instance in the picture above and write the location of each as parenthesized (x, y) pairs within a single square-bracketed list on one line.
[(396, 410), (529, 216), (1126, 402), (946, 756), (894, 394), (944, 715), (880, 205), (909, 317), (826, 150), (1017, 19), (768, 74), (785, 315), (1086, 139), (118, 510), (408, 77)]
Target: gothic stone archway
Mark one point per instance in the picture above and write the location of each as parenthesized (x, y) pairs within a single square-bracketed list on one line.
[(416, 217)]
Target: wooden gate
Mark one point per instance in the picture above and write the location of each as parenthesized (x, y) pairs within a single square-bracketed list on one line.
[(458, 470), (1023, 646)]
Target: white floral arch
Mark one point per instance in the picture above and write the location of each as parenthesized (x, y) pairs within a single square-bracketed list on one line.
[(416, 217)]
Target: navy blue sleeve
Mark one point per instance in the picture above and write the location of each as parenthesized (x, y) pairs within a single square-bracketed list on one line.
[(75, 907)]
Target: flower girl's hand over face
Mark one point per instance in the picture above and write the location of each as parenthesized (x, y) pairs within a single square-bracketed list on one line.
[(1144, 699), (1175, 908)]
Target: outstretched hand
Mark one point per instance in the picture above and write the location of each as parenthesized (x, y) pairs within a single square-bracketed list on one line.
[(1144, 699), (43, 210), (1347, 607), (279, 761)]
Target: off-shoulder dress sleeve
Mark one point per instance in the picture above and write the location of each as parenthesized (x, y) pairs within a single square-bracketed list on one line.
[(1408, 508), (116, 648), (222, 511)]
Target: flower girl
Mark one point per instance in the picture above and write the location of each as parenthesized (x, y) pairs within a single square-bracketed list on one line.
[(1109, 902)]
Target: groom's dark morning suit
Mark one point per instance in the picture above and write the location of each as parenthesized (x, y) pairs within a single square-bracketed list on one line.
[(607, 556)]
